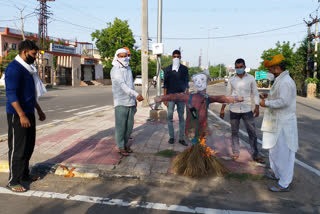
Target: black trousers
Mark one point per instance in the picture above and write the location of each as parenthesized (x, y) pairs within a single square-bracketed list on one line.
[(249, 122), (21, 142)]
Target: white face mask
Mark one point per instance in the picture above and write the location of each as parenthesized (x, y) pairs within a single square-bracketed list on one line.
[(175, 64), (200, 82), (270, 76), (124, 61)]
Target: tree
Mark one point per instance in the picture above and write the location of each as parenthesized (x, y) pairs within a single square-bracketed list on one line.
[(116, 35), (6, 60), (296, 61), (194, 70), (215, 70)]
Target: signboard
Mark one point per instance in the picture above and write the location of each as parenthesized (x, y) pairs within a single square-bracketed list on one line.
[(62, 48), (261, 75), (257, 75)]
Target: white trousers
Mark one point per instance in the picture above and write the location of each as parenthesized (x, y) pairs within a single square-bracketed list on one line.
[(282, 161)]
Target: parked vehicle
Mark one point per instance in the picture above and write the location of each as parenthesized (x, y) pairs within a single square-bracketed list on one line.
[(138, 80), (226, 79)]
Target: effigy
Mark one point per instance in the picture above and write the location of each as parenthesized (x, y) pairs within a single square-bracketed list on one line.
[(199, 159)]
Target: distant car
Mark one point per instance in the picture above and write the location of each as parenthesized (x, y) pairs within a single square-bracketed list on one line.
[(2, 82), (226, 79), (138, 80)]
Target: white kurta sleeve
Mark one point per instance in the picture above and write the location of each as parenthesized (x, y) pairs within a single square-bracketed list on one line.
[(285, 94), (117, 77)]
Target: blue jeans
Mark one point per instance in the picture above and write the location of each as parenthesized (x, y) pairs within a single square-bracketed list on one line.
[(180, 110)]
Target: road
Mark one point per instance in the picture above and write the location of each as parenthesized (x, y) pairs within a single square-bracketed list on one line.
[(56, 194), (64, 102), (308, 114)]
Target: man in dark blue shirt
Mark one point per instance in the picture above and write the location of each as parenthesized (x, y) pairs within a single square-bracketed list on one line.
[(176, 80), (21, 101)]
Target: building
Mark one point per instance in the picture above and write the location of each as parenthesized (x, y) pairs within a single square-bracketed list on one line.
[(64, 63)]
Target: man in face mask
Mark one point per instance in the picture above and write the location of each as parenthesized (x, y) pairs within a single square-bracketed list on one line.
[(124, 98), (243, 85), (23, 88), (176, 80), (279, 126)]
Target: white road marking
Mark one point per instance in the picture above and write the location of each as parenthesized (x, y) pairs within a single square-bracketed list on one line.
[(122, 203), (93, 110), (76, 109), (304, 165)]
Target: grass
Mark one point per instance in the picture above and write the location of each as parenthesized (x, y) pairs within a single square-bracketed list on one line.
[(245, 176), (215, 82), (168, 153)]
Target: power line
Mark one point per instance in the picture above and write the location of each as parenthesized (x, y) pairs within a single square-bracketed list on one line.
[(231, 36)]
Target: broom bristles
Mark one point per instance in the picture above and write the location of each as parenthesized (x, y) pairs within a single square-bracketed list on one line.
[(195, 163)]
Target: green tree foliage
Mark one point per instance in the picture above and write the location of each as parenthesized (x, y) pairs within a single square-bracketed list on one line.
[(215, 70), (115, 36), (152, 66), (6, 60), (194, 70), (296, 61)]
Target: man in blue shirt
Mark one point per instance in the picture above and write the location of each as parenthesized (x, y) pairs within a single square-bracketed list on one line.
[(22, 91), (176, 80)]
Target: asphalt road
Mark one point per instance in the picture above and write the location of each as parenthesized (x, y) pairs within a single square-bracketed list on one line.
[(308, 114), (64, 102)]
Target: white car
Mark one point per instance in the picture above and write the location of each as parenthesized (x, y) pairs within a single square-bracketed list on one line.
[(2, 82), (138, 80), (226, 79)]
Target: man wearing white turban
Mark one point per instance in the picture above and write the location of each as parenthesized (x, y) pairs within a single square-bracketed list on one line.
[(124, 99)]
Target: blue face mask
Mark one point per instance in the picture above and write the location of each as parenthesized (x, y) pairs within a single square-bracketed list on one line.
[(240, 71)]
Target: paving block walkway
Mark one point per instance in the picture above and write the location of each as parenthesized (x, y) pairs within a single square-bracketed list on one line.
[(88, 142)]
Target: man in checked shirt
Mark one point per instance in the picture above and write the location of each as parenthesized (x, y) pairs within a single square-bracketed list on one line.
[(243, 85)]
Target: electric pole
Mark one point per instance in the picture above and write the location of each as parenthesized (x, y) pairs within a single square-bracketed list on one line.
[(159, 40), (44, 14), (22, 23), (309, 24), (144, 50), (316, 48)]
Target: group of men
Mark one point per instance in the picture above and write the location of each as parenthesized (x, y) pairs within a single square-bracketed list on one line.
[(23, 88)]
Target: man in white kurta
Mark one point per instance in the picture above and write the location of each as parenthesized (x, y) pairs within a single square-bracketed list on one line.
[(280, 132)]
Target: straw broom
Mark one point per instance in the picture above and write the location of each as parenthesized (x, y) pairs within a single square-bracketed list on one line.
[(198, 161)]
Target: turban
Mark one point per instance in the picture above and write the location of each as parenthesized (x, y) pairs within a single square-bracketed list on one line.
[(273, 60), (128, 50), (115, 58)]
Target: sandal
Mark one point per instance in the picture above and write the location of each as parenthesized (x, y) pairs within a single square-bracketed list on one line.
[(235, 157), (128, 150), (16, 188), (259, 160), (123, 152)]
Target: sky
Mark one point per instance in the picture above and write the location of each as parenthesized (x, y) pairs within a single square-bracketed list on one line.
[(187, 24)]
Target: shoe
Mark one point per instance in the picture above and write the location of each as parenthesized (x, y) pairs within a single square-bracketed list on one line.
[(171, 141), (277, 188), (182, 142), (271, 176)]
